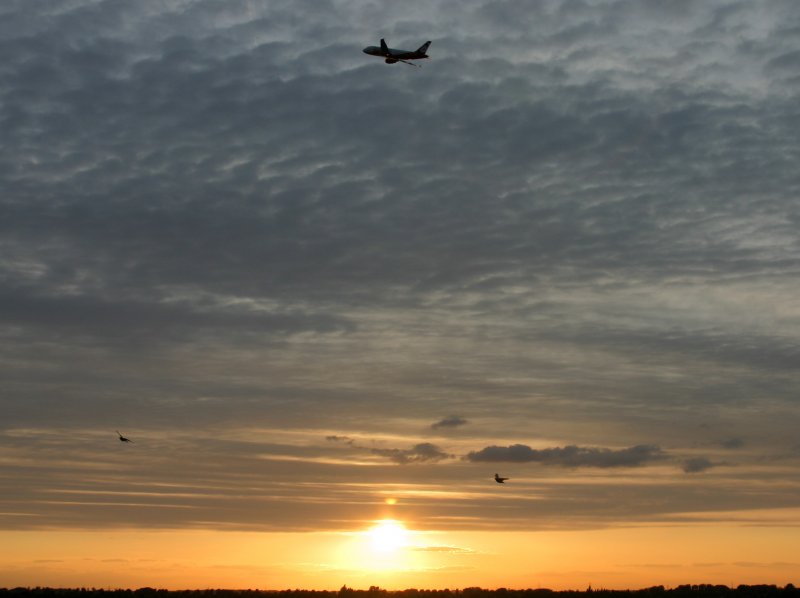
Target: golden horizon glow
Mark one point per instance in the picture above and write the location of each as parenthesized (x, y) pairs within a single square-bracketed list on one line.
[(628, 558)]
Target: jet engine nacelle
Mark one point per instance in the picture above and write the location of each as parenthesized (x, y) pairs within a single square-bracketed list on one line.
[(390, 61)]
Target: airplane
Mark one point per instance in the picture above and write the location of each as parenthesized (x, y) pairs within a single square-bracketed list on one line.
[(391, 55), (499, 480)]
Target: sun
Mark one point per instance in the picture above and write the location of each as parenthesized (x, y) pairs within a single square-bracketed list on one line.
[(388, 536), (384, 548)]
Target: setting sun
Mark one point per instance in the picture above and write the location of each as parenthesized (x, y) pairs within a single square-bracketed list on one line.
[(383, 550), (388, 535)]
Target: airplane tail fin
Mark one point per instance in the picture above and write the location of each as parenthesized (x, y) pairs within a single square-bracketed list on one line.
[(423, 48), (384, 47)]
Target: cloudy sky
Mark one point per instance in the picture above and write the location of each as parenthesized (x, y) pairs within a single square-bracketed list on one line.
[(318, 291)]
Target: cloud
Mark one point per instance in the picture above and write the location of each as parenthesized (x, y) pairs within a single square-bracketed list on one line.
[(343, 439), (570, 456), (137, 321), (423, 452), (697, 465), (733, 443), (444, 549), (452, 421)]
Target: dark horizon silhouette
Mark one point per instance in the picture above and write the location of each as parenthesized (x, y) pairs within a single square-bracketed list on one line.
[(659, 591)]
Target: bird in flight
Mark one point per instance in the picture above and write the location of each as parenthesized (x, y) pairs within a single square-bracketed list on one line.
[(122, 438), (498, 479)]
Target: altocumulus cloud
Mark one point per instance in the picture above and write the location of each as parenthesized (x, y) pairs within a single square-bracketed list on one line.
[(570, 456)]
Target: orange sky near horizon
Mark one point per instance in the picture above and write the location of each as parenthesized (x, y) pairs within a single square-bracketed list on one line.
[(626, 558)]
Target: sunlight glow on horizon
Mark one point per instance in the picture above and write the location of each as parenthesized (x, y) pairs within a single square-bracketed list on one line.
[(186, 559)]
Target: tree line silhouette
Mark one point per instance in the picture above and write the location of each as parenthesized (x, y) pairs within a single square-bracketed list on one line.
[(682, 591)]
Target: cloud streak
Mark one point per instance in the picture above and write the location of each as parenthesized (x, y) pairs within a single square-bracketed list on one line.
[(423, 452)]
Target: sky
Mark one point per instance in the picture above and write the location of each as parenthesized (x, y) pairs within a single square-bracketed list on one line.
[(329, 298)]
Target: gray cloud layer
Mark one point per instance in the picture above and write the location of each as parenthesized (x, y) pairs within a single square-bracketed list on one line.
[(577, 225)]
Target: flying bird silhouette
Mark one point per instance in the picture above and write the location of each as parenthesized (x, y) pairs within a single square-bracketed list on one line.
[(498, 479), (122, 438)]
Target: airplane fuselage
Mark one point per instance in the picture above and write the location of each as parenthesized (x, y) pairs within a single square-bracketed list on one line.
[(392, 55)]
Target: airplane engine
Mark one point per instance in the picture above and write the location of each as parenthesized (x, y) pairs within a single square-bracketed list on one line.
[(390, 61)]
